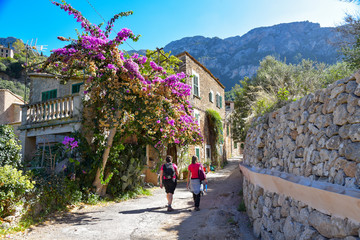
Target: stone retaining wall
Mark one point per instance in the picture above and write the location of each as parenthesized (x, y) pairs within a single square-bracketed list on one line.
[(315, 140)]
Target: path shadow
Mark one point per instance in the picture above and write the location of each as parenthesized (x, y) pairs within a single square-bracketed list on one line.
[(157, 210), (75, 219)]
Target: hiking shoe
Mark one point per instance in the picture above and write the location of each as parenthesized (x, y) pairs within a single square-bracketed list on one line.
[(170, 209), (197, 209)]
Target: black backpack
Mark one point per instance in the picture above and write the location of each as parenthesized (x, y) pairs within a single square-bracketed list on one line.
[(169, 171)]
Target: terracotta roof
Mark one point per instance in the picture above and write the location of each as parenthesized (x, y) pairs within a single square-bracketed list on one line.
[(205, 69)]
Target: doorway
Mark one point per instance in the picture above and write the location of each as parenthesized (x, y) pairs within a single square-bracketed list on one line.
[(171, 150)]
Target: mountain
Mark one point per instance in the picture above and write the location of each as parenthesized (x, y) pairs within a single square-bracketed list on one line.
[(233, 58), (6, 41)]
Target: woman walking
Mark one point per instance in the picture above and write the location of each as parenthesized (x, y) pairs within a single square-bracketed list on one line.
[(195, 183), (168, 174)]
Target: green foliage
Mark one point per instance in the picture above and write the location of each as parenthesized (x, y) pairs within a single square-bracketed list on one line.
[(241, 207), (10, 148), (92, 198), (19, 47), (2, 67), (350, 41), (231, 95), (126, 163), (13, 187), (215, 133), (277, 83), (53, 193), (138, 191), (166, 60), (14, 67)]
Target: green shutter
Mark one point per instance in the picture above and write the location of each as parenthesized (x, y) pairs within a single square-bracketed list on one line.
[(196, 85), (220, 101), (76, 88), (227, 129), (48, 95), (197, 153)]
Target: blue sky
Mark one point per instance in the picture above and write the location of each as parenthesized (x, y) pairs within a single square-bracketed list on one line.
[(162, 21)]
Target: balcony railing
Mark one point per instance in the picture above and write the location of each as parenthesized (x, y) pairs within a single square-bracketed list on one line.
[(54, 109)]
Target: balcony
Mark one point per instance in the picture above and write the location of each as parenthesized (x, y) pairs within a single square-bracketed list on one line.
[(53, 113)]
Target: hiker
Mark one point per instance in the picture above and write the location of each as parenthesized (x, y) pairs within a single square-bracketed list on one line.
[(194, 180), (168, 176)]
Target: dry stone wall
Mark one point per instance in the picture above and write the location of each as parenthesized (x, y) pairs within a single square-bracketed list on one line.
[(316, 138)]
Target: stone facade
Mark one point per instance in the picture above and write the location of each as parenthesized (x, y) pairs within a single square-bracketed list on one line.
[(231, 148), (316, 138), (201, 102), (10, 109), (6, 52), (47, 122), (207, 83)]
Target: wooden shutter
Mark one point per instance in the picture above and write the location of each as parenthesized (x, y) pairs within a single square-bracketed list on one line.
[(76, 88), (197, 153), (48, 95), (196, 85)]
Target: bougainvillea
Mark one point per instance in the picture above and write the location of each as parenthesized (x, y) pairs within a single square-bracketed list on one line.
[(130, 94)]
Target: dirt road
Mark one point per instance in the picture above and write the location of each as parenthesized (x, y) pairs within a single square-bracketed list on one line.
[(147, 218)]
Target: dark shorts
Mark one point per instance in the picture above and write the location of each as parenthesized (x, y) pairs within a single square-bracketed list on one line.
[(169, 185)]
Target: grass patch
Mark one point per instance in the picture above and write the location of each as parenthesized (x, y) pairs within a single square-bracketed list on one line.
[(133, 194), (241, 207), (231, 221)]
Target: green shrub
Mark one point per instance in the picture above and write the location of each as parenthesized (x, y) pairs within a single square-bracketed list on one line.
[(92, 198), (10, 149), (55, 192), (13, 187), (241, 207)]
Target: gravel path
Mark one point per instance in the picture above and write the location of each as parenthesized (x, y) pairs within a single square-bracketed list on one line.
[(147, 218)]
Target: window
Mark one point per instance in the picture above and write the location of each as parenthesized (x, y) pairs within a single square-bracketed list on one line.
[(48, 95), (197, 116), (197, 153), (227, 129), (235, 145), (208, 152), (211, 96), (196, 85), (218, 100), (76, 88)]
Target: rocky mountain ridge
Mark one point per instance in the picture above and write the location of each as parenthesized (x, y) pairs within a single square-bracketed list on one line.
[(233, 58)]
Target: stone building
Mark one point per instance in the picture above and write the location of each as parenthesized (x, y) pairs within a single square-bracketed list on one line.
[(232, 149), (54, 111), (10, 109), (6, 52), (207, 93)]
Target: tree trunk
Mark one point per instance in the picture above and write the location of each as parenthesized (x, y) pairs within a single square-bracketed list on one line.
[(100, 188)]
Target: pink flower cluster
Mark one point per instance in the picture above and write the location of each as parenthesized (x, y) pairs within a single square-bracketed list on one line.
[(133, 69), (65, 51), (70, 142), (155, 67), (178, 87)]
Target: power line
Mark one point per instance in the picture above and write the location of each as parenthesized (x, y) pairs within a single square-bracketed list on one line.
[(105, 21), (95, 10)]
